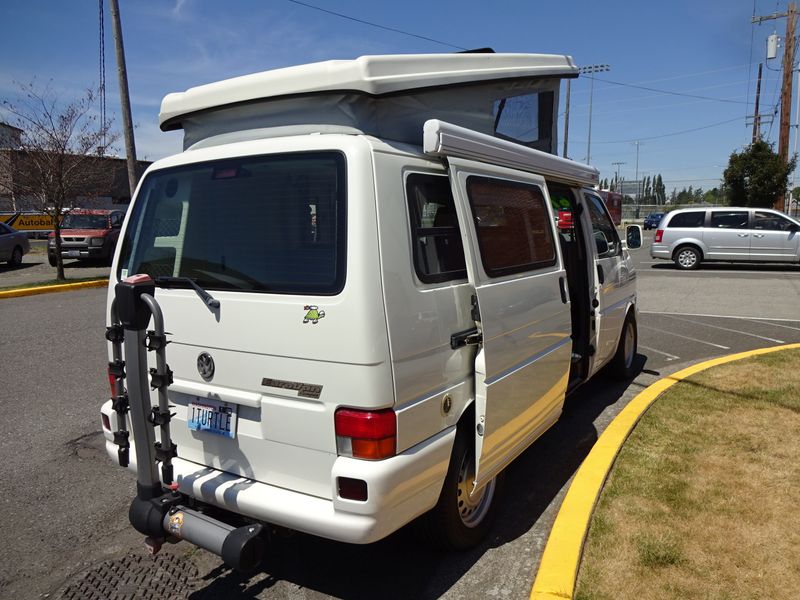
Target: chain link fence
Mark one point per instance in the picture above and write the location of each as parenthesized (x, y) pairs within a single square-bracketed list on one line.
[(637, 212)]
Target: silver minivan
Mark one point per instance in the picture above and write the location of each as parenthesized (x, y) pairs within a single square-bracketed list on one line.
[(692, 235)]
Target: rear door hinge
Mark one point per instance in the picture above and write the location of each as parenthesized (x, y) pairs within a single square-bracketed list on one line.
[(468, 337)]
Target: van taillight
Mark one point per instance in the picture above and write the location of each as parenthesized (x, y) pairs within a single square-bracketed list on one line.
[(659, 235), (366, 434)]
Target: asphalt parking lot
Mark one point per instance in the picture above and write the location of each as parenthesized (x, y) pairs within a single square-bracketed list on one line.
[(718, 309), (72, 518)]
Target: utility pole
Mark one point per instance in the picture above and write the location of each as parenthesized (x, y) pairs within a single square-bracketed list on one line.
[(127, 122), (757, 116), (786, 87)]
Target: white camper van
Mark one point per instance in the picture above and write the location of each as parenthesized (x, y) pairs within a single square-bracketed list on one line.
[(379, 284)]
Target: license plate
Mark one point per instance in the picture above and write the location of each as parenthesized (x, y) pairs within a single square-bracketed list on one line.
[(213, 416), (73, 253)]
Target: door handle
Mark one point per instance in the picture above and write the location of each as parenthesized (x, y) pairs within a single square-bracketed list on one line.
[(562, 287), (758, 235), (601, 276), (742, 234)]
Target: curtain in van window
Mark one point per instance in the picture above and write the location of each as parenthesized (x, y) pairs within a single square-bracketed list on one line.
[(512, 225)]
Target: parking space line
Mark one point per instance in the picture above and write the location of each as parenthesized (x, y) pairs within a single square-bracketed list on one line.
[(666, 314), (761, 337), (667, 354), (686, 337), (776, 325)]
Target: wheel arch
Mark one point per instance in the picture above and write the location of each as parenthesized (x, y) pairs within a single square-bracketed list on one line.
[(693, 242)]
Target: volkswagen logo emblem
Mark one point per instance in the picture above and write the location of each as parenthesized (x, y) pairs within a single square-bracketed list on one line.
[(205, 366)]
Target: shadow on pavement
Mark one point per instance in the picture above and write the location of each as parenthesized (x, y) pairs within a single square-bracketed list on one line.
[(6, 268), (403, 565), (722, 267)]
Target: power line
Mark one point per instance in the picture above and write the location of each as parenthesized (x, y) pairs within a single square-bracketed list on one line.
[(649, 89), (656, 137), (385, 28)]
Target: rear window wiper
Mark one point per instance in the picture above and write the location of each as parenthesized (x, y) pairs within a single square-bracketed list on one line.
[(166, 281)]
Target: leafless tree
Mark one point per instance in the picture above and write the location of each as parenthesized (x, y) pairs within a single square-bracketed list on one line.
[(61, 156)]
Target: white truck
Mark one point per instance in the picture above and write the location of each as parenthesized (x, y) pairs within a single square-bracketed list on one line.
[(379, 284)]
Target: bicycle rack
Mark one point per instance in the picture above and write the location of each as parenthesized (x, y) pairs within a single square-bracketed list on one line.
[(157, 510)]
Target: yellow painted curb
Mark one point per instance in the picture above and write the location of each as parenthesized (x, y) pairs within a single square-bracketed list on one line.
[(48, 289), (562, 553)]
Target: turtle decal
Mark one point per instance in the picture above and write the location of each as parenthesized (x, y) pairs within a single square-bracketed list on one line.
[(313, 314)]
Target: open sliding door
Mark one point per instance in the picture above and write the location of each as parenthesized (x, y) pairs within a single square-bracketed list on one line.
[(523, 314)]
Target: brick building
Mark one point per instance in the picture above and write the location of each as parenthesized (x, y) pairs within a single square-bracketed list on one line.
[(112, 192)]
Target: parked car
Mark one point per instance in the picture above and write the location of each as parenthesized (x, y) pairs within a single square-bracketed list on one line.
[(652, 220), (690, 236), (87, 234), (13, 245)]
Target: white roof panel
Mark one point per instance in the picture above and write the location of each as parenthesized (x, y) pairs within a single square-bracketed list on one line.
[(373, 75)]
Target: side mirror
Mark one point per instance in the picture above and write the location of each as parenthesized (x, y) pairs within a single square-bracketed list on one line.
[(633, 235)]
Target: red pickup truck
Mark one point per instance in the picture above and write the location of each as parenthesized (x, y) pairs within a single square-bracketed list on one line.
[(87, 234)]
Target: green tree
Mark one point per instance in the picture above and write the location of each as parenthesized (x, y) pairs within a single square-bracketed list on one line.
[(757, 176), (660, 190)]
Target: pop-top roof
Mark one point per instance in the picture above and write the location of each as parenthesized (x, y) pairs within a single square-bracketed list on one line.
[(370, 75)]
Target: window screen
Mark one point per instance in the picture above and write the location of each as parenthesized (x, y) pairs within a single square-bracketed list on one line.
[(512, 224), (688, 219), (438, 252), (271, 223), (526, 119)]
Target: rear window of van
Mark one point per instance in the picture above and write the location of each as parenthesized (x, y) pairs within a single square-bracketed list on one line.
[(273, 223), (688, 219)]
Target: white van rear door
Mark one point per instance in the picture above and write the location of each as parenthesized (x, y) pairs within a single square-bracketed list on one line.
[(514, 263)]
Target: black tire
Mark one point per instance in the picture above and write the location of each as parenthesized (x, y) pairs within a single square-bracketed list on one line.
[(687, 258), (52, 260), (458, 522), (16, 257), (622, 366)]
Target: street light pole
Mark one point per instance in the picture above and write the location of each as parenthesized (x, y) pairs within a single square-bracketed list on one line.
[(617, 164), (566, 118), (638, 183), (590, 70)]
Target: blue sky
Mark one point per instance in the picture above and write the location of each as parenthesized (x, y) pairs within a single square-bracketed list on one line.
[(703, 48)]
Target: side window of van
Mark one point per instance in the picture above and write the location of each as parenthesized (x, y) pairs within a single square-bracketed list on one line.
[(770, 222), (438, 252), (688, 219), (605, 234), (512, 224), (734, 219)]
